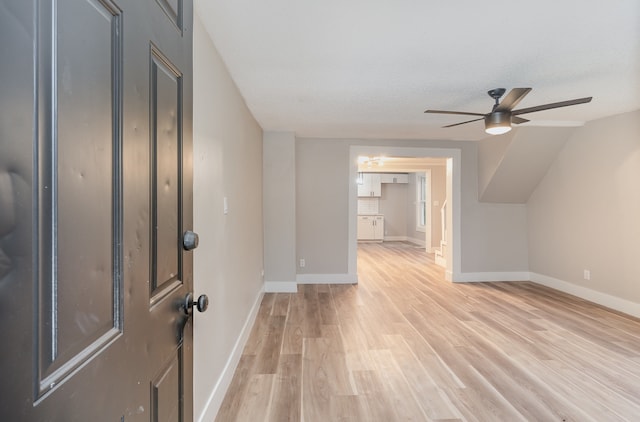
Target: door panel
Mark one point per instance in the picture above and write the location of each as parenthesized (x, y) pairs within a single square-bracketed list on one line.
[(78, 272), (166, 108), (173, 9), (95, 193), (166, 392)]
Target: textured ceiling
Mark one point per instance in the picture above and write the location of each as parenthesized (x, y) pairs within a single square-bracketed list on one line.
[(369, 69)]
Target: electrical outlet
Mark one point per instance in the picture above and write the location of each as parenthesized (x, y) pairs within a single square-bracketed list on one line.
[(587, 275), (302, 263)]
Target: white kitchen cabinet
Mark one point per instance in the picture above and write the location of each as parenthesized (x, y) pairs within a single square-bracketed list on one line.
[(371, 227), (394, 178), (370, 185), (401, 178)]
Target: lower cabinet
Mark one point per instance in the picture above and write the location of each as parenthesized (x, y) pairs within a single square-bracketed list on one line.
[(371, 227)]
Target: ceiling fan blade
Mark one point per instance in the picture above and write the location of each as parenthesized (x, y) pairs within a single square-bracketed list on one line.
[(512, 99), (517, 120), (464, 113), (462, 123), (552, 105)]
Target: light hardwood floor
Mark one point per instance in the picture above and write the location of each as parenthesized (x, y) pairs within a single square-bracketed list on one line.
[(405, 345)]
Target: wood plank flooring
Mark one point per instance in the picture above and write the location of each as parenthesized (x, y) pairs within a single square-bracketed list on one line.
[(405, 345)]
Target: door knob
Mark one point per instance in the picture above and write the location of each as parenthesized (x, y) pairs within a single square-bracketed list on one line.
[(190, 240), (201, 304)]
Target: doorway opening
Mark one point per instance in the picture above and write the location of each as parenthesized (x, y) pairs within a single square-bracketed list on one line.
[(406, 194)]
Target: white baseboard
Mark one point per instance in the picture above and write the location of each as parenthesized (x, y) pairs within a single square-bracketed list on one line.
[(217, 395), (419, 242), (604, 299), (327, 278), (612, 302), (280, 287), (493, 276), (395, 238)]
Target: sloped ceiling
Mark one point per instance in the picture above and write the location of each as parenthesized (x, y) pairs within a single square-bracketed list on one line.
[(368, 69), (511, 166)]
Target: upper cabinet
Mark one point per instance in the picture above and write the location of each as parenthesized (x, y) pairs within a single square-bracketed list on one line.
[(370, 185), (394, 178)]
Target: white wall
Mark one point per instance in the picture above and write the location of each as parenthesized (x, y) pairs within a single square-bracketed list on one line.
[(229, 260), (585, 214)]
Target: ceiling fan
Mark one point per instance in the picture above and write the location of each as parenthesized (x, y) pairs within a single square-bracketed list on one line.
[(502, 115)]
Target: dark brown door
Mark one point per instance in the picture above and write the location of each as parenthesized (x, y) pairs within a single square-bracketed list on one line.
[(95, 198)]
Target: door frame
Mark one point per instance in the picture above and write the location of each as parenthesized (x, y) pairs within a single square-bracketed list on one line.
[(453, 182), (428, 241)]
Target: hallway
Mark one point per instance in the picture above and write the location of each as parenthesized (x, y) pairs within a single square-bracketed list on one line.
[(404, 344)]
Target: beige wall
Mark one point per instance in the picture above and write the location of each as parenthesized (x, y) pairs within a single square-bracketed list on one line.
[(322, 188), (493, 235), (279, 186), (511, 166), (228, 262), (585, 213), (393, 205)]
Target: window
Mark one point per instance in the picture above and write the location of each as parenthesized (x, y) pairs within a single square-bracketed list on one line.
[(421, 201)]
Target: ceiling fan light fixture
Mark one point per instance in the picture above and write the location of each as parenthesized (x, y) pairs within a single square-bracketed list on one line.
[(497, 123), (499, 120)]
